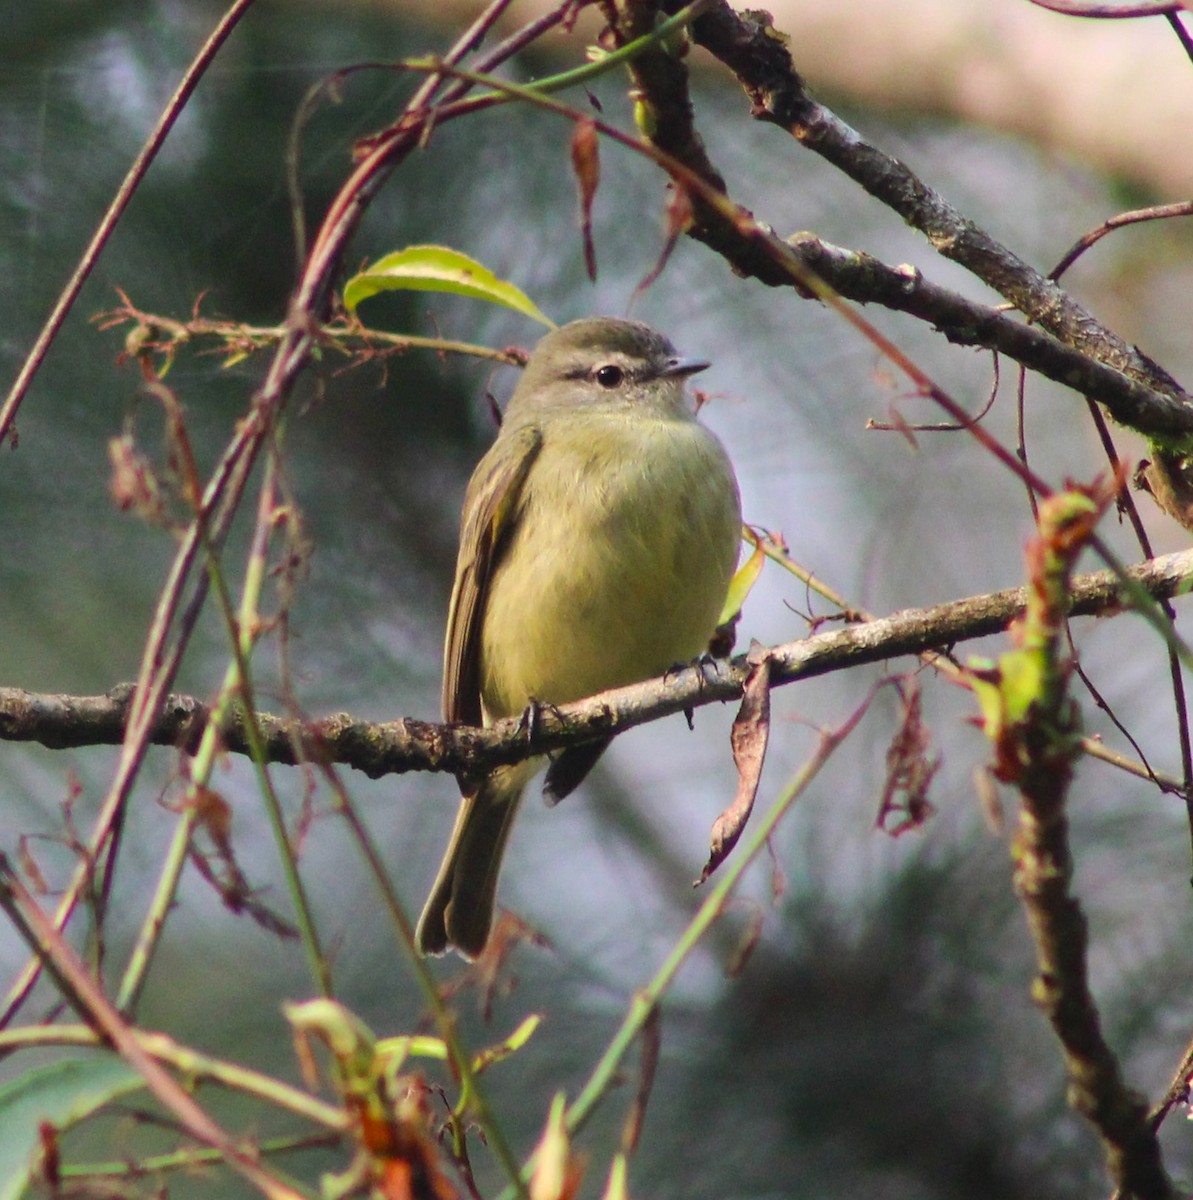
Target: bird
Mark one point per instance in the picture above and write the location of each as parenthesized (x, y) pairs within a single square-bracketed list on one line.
[(598, 538)]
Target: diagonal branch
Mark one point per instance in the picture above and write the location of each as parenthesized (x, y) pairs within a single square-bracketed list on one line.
[(867, 280), (758, 56), (763, 66), (62, 722), (124, 194)]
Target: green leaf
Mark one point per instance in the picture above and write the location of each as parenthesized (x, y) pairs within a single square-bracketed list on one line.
[(62, 1093), (744, 578), (516, 1040), (439, 269)]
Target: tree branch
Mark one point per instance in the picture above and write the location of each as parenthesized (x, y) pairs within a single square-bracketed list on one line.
[(67, 722), (762, 64), (1137, 391), (867, 280)]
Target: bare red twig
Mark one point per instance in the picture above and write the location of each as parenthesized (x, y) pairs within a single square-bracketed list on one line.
[(124, 194), (224, 491), (97, 1011), (1157, 212)]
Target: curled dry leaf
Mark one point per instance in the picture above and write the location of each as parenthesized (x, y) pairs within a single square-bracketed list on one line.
[(219, 866), (134, 485), (910, 768), (679, 218), (586, 163), (489, 972), (751, 731)]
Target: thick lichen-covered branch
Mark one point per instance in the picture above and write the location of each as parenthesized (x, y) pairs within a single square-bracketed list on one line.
[(62, 722)]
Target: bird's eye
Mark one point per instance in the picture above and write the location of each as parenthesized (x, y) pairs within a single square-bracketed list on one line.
[(609, 376)]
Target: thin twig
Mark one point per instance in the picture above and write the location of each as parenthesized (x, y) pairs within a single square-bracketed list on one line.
[(1157, 212), (162, 335), (97, 1011), (906, 427), (645, 1000), (124, 194), (764, 67)]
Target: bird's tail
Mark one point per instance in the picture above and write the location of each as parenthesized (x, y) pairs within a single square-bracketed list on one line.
[(459, 911)]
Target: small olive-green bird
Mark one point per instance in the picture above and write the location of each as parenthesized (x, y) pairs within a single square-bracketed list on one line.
[(597, 541)]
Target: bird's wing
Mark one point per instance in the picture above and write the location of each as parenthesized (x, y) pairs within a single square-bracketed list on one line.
[(490, 507)]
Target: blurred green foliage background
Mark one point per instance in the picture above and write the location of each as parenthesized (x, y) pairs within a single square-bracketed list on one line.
[(880, 1040)]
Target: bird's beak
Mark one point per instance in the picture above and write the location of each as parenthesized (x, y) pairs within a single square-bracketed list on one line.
[(679, 367)]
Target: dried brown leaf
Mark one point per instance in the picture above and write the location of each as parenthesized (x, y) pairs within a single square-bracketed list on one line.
[(587, 165), (407, 1163), (989, 800), (751, 935), (910, 767), (489, 972), (134, 485), (679, 217), (221, 869), (751, 732)]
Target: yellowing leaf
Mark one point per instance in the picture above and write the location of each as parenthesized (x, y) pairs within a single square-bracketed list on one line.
[(744, 578), (512, 1044), (557, 1170), (439, 269), (616, 1188)]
